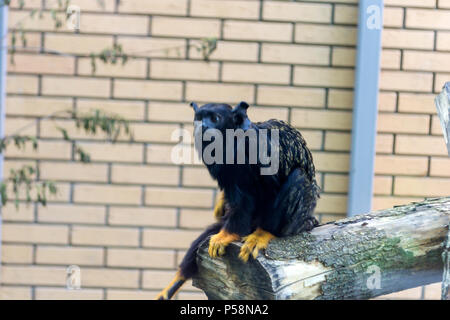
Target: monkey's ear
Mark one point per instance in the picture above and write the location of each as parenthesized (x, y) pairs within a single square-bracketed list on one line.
[(194, 106), (243, 106)]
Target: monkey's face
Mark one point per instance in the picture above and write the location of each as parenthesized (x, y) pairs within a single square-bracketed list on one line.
[(221, 116)]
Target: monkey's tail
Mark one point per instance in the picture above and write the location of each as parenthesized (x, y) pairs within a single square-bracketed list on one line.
[(188, 267)]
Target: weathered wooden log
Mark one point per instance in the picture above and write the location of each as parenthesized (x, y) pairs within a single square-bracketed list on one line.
[(446, 276), (442, 102), (356, 258)]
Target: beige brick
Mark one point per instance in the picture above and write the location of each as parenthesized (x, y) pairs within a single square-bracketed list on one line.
[(199, 177), (411, 3), (153, 47), (132, 216), (161, 175), (382, 185), (62, 193), (436, 127), (177, 27), (291, 96), (37, 106), (197, 219), (69, 213), (257, 114), (67, 294), (75, 86), (14, 293), (325, 218), (338, 141), (109, 278), (440, 167), (325, 34), (88, 5), (384, 143), (444, 4), (407, 39), (191, 296), (136, 89), (433, 291), (169, 238), (331, 162), (422, 145), (383, 202), (33, 275), (179, 197), (390, 59), (335, 204), (401, 165), (130, 110), (426, 61), (256, 73), (154, 132), (317, 119), (161, 154), (225, 9), (76, 43), (33, 233), (443, 40), (184, 70), (17, 254), (133, 68), (69, 171), (123, 152), (26, 4), (313, 138), (427, 19), (228, 51), (257, 31), (417, 103), (44, 23), (344, 57), (105, 236), (440, 80), (170, 112), (156, 279), (14, 124), (428, 187), (141, 258), (47, 64), (217, 92), (69, 256), (295, 54), (108, 194), (288, 11), (23, 213), (392, 17), (328, 77), (345, 14), (131, 294), (403, 123), (340, 99), (408, 81), (336, 183), (114, 24), (166, 7), (387, 101), (22, 84)]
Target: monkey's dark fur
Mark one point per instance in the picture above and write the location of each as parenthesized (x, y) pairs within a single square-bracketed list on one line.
[(282, 203)]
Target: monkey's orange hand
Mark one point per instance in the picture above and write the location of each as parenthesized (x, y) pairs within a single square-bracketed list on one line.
[(219, 242), (254, 242)]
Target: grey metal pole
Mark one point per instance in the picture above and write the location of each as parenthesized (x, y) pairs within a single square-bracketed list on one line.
[(365, 109), (3, 57)]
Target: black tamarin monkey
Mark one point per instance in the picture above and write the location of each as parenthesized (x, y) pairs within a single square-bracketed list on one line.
[(253, 207)]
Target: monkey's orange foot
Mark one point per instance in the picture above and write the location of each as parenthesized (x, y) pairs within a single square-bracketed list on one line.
[(254, 242), (172, 288), (219, 242)]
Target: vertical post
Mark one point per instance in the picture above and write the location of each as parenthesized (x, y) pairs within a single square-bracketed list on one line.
[(365, 109), (3, 57)]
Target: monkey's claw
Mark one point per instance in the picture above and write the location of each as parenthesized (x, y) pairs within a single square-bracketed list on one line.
[(219, 242), (254, 242)]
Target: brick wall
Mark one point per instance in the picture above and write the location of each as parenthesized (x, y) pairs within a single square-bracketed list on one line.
[(127, 218)]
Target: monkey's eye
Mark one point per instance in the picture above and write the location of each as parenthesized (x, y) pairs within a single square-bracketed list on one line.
[(215, 118)]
